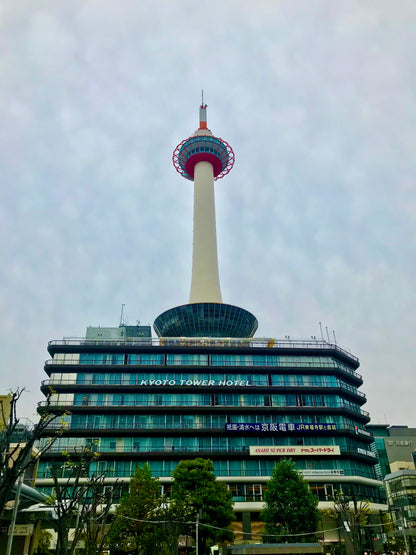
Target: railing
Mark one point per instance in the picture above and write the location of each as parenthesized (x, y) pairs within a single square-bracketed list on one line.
[(211, 342), (349, 451), (238, 364), (111, 472), (344, 387), (198, 404), (89, 426)]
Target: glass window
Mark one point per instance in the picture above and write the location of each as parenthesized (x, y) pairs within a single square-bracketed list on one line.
[(187, 359), (147, 359), (205, 444), (235, 468), (84, 378)]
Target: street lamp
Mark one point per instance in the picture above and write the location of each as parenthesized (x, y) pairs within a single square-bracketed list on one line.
[(403, 527)]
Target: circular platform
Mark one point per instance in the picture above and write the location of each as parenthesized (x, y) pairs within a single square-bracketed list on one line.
[(206, 320), (203, 148)]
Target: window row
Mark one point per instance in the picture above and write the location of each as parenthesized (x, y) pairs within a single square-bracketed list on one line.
[(172, 379), (189, 443), (203, 380), (195, 421), (250, 467), (324, 491), (243, 491), (188, 359), (118, 491), (401, 483), (195, 399)]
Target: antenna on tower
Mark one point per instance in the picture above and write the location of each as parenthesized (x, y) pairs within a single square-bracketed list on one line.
[(121, 315), (202, 99)]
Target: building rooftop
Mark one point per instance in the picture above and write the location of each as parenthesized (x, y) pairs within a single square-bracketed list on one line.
[(237, 342)]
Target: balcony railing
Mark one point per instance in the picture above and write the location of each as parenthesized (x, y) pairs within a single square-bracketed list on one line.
[(347, 451), (112, 472), (197, 404), (237, 364), (89, 427), (309, 344), (344, 387)]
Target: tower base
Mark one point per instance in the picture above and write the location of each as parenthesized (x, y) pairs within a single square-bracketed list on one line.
[(206, 320)]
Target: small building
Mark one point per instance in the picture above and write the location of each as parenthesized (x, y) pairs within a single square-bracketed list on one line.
[(401, 499), (393, 446)]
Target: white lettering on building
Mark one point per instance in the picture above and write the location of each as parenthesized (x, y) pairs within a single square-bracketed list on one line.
[(197, 383)]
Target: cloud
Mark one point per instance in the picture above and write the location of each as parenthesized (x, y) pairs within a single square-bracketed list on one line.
[(315, 222)]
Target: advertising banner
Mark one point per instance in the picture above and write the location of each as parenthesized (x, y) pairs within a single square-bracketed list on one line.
[(296, 450), (279, 427)]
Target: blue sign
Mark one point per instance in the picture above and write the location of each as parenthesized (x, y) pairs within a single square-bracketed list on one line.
[(278, 427)]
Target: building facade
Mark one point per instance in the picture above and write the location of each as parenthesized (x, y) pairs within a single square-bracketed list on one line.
[(243, 403), (401, 498), (394, 447)]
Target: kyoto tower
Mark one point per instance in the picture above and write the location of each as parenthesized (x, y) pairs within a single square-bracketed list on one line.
[(203, 159)]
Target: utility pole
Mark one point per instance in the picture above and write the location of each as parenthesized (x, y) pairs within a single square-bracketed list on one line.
[(14, 514), (198, 516), (197, 535), (404, 531)]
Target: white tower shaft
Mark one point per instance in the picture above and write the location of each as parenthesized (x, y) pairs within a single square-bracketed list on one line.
[(205, 285)]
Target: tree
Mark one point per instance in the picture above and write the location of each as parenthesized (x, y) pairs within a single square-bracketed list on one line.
[(170, 518), (80, 503), (94, 523), (201, 496), (351, 515), (134, 527), (17, 450), (44, 543), (291, 508)]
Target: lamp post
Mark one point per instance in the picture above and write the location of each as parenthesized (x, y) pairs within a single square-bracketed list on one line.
[(403, 527), (403, 519), (197, 535), (14, 514), (383, 529), (198, 517)]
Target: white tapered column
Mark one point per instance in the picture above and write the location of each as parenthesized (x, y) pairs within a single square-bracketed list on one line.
[(205, 286)]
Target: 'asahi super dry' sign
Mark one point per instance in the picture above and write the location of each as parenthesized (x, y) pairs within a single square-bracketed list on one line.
[(296, 450)]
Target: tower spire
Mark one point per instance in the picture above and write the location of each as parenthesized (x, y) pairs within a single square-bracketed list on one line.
[(204, 158), (203, 113)]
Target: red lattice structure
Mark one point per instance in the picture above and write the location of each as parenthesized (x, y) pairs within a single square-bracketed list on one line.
[(203, 148)]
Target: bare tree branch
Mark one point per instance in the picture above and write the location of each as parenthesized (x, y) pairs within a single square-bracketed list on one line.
[(19, 452)]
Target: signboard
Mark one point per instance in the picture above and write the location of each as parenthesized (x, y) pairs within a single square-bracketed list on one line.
[(366, 452), (278, 427), (362, 432), (329, 472), (305, 450), (23, 530), (205, 341), (193, 383)]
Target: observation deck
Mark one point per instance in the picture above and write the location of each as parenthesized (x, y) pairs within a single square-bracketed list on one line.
[(206, 320), (203, 148)]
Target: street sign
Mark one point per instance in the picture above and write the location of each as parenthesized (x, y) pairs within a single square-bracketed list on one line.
[(23, 530)]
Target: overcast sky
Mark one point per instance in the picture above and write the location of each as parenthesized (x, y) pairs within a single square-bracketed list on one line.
[(315, 223)]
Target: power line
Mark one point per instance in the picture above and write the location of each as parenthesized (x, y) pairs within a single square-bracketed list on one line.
[(193, 523)]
